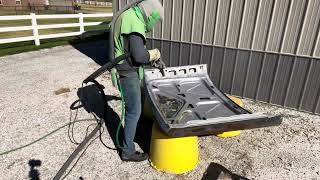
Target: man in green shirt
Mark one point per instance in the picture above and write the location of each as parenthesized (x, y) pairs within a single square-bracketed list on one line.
[(130, 36)]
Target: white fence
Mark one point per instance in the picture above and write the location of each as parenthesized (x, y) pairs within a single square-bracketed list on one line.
[(97, 3), (35, 27)]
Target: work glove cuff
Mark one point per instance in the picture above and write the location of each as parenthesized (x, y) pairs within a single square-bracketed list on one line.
[(154, 54)]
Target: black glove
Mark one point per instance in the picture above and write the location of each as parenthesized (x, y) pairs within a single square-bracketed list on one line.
[(158, 64)]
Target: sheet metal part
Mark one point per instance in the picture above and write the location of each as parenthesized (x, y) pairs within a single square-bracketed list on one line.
[(185, 102)]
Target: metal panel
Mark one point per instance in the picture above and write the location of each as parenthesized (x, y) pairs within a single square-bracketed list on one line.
[(157, 30), (184, 54), (234, 23), (263, 21), (206, 56), (227, 70), (317, 109), (248, 23), (285, 26), (167, 4), (157, 44), (222, 22), (278, 22), (316, 52), (187, 20), (165, 49), (297, 80), (174, 54), (294, 24), (240, 71), (252, 79), (195, 54), (198, 21), (281, 79), (312, 87), (210, 21), (176, 19), (216, 64), (309, 29), (268, 69)]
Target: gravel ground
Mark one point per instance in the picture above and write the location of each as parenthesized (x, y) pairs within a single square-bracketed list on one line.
[(33, 104)]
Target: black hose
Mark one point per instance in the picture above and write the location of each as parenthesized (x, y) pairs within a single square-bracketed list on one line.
[(106, 67)]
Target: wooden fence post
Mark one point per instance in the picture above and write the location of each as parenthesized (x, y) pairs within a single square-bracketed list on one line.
[(81, 25), (35, 29)]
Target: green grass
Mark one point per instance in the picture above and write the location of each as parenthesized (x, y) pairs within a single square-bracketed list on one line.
[(94, 9), (84, 9), (4, 35), (13, 48)]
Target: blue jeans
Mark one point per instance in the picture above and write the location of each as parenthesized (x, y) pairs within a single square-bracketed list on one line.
[(132, 96)]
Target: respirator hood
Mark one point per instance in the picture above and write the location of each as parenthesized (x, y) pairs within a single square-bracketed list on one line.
[(153, 12)]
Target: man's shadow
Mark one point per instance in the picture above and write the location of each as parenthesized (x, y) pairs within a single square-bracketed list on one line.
[(93, 102), (97, 48)]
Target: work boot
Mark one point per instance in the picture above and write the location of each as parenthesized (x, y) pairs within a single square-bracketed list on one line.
[(135, 157)]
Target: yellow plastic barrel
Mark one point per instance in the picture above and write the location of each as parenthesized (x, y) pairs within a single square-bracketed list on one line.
[(232, 133), (173, 155)]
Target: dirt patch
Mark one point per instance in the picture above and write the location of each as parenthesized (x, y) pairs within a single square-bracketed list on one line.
[(61, 91)]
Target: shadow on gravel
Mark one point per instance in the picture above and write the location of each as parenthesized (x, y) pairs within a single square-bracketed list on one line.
[(144, 127), (143, 133), (34, 172), (97, 49), (216, 171), (92, 101)]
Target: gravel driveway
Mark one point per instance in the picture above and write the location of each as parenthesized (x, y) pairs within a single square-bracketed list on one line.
[(33, 104)]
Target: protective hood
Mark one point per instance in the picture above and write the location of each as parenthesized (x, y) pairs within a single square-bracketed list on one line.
[(152, 11)]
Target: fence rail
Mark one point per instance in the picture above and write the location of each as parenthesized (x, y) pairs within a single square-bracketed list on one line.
[(96, 3), (35, 27), (39, 9)]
